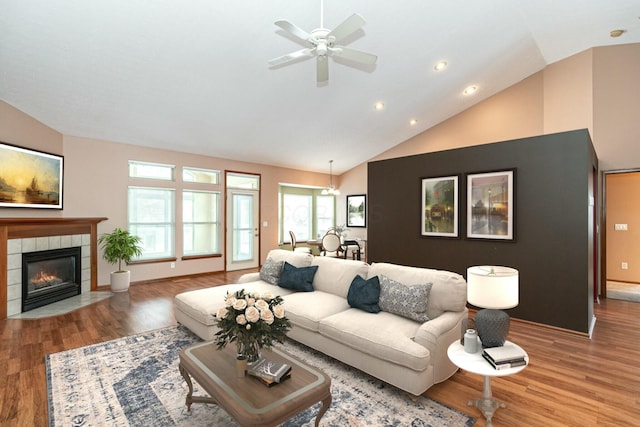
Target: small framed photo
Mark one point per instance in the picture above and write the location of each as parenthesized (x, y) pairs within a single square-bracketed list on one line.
[(357, 210), (29, 178), (440, 206), (490, 205)]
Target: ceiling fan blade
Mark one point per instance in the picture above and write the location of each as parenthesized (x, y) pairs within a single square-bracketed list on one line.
[(322, 69), (302, 53), (348, 27), (354, 55), (293, 29)]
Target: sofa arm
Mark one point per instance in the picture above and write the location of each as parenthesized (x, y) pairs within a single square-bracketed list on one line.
[(249, 277), (430, 332), (436, 335)]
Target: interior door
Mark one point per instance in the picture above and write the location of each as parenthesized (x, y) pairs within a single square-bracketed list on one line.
[(242, 237)]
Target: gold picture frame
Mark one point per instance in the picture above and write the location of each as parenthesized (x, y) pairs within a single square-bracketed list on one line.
[(30, 178)]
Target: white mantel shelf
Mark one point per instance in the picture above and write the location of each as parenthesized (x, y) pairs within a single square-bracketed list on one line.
[(17, 228)]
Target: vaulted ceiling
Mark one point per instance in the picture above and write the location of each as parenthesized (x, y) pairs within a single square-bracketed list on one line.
[(193, 75)]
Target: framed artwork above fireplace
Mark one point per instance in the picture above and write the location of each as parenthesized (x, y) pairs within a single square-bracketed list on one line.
[(30, 178)]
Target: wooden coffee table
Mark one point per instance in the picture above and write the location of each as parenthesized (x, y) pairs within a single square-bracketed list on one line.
[(246, 399)]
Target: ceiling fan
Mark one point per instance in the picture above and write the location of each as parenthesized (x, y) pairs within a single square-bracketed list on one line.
[(322, 44)]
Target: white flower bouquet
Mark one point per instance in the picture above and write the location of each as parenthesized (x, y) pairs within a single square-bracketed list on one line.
[(251, 320)]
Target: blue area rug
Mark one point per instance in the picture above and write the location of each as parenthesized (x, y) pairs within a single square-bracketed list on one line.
[(134, 381)]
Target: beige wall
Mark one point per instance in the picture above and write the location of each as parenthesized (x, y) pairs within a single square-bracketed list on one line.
[(354, 182), (20, 129), (568, 94), (513, 113), (616, 94), (623, 207)]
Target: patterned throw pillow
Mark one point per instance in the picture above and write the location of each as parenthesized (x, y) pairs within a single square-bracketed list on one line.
[(270, 271), (408, 301)]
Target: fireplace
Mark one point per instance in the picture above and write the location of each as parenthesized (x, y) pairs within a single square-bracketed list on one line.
[(50, 276)]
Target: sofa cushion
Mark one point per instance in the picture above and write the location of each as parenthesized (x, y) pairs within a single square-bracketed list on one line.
[(297, 278), (364, 294), (270, 271), (406, 300), (335, 274), (448, 293), (383, 335), (298, 259), (307, 309), (202, 304)]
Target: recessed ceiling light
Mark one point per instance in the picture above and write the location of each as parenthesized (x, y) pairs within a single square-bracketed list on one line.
[(379, 105), (616, 33), (440, 66), (470, 90), (413, 122)]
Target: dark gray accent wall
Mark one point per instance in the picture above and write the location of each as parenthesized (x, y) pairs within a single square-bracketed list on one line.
[(553, 248)]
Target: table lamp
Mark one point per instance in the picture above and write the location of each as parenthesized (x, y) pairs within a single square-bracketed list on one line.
[(492, 288)]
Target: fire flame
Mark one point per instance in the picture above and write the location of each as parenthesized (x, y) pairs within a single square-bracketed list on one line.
[(44, 277)]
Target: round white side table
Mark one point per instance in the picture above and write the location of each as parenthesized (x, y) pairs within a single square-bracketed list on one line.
[(475, 363)]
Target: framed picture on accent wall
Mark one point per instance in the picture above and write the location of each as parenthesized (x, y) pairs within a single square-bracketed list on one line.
[(30, 178), (440, 206), (357, 210), (490, 205)]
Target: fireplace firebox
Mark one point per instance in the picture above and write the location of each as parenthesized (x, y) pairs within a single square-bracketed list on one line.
[(50, 276)]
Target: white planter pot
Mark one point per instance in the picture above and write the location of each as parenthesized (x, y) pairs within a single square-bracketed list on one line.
[(120, 281)]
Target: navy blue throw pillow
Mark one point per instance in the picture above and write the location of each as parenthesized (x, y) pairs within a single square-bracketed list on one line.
[(364, 294), (297, 278)]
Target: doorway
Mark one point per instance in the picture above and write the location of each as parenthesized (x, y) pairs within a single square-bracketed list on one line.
[(242, 221), (622, 225)]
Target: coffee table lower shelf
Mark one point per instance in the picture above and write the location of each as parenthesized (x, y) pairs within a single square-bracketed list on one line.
[(246, 399)]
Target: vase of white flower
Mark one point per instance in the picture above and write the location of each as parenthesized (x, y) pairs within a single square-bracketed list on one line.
[(248, 349), (252, 321)]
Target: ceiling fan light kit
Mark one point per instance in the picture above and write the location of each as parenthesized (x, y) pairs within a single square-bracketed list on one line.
[(322, 44)]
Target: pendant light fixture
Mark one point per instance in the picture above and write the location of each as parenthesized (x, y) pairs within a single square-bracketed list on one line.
[(331, 190)]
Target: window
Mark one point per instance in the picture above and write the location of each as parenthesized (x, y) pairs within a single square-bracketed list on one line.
[(152, 218), (325, 214), (306, 212), (297, 215), (200, 222), (204, 176), (150, 170), (243, 181)]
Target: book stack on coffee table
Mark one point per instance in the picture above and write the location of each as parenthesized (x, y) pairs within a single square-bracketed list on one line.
[(269, 372), (505, 357)]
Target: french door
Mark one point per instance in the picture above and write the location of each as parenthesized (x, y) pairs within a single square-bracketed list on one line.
[(242, 217)]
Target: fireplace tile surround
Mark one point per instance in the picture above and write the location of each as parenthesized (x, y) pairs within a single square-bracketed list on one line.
[(18, 235), (17, 247)]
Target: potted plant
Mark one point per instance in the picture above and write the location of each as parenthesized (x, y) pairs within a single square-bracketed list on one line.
[(118, 246)]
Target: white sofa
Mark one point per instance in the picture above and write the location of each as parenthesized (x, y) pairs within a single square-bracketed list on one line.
[(408, 354)]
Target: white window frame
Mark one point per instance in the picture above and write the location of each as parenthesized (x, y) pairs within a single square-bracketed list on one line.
[(165, 227), (215, 245), (136, 170), (215, 174), (314, 193)]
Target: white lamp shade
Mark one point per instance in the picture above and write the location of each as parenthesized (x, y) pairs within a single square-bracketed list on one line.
[(492, 287)]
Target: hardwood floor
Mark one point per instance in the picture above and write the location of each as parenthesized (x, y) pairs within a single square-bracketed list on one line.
[(571, 380)]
